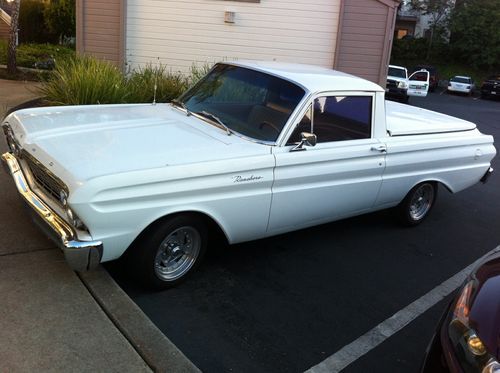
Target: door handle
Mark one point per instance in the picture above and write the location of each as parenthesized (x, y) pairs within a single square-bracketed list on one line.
[(379, 148)]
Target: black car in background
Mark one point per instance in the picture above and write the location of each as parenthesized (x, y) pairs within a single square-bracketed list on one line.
[(491, 87), (467, 339), (433, 75)]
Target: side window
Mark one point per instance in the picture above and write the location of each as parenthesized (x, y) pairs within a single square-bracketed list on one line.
[(339, 118)]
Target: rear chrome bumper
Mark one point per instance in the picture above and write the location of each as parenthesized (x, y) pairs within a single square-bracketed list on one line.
[(80, 255), (487, 175)]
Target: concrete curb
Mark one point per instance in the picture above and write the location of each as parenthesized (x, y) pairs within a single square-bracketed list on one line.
[(157, 350)]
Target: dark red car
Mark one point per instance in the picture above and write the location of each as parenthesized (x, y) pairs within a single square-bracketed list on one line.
[(468, 336)]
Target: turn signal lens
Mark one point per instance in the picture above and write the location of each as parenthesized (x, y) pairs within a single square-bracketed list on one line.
[(461, 311), (475, 345)]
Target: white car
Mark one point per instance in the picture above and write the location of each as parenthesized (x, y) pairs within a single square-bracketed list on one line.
[(253, 150), (461, 84), (400, 87)]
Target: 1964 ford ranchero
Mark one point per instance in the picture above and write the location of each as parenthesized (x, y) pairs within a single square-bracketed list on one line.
[(252, 150)]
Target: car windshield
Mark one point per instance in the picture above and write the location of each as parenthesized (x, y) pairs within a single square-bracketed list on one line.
[(460, 80), (399, 73), (243, 101)]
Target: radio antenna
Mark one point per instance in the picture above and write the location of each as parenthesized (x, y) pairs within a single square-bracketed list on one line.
[(156, 84)]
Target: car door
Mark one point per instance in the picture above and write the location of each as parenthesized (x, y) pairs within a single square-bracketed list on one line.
[(338, 177), (418, 83)]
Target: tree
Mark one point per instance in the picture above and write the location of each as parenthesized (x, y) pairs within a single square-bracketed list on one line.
[(60, 18), (438, 12), (474, 33), (11, 52)]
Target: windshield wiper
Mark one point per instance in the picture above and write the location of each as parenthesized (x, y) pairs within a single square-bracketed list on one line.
[(182, 105), (216, 119)]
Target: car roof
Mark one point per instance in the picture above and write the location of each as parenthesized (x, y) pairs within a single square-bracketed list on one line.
[(462, 76), (312, 78), (397, 67)]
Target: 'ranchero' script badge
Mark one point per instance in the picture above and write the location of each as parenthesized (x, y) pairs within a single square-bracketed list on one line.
[(244, 179)]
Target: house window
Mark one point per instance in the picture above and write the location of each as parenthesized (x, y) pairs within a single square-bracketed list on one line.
[(402, 33)]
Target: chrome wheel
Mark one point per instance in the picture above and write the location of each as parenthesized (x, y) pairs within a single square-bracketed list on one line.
[(421, 201), (177, 253)]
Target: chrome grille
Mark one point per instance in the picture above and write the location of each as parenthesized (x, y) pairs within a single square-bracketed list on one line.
[(391, 84), (43, 178)]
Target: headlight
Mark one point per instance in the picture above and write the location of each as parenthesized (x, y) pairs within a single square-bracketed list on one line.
[(402, 85), (469, 348)]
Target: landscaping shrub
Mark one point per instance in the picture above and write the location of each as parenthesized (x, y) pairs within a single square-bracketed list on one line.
[(30, 54), (60, 18), (85, 80), (198, 72), (32, 28), (169, 85)]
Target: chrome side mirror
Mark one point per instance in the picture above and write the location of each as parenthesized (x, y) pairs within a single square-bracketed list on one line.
[(307, 139)]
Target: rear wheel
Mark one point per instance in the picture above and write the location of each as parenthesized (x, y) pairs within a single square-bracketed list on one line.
[(168, 252), (417, 204)]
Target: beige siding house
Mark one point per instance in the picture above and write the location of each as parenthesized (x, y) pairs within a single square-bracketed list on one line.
[(354, 36), (4, 25)]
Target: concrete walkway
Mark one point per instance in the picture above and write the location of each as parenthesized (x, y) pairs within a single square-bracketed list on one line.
[(53, 319), (13, 93)]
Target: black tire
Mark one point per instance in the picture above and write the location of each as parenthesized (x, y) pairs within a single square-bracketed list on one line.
[(405, 100), (417, 204), (169, 251)]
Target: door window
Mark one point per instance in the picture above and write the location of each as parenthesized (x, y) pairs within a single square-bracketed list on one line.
[(337, 118)]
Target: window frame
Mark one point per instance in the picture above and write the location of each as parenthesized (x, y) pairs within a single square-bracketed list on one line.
[(310, 104)]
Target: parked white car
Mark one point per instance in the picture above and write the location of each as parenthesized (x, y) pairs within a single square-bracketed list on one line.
[(252, 150), (461, 84), (400, 87)]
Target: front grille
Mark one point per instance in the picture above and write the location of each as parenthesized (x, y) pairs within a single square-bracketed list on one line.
[(391, 84), (43, 178)]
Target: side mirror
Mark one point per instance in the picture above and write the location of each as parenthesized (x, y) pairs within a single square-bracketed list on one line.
[(307, 139)]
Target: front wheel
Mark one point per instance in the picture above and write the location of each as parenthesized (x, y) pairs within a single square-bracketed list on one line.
[(170, 251), (417, 204)]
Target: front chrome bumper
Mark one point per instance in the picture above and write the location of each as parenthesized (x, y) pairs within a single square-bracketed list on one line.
[(80, 255)]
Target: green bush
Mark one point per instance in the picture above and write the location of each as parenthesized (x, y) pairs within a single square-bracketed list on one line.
[(169, 85), (28, 54), (32, 28), (85, 80), (60, 19), (197, 72)]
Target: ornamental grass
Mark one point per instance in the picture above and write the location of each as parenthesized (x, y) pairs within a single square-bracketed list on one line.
[(85, 80)]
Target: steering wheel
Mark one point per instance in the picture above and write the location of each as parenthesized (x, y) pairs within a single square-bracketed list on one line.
[(268, 124)]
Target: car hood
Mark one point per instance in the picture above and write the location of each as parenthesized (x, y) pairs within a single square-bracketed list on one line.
[(396, 78), (79, 143)]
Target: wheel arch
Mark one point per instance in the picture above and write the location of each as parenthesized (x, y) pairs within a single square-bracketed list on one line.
[(214, 228), (436, 181)]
